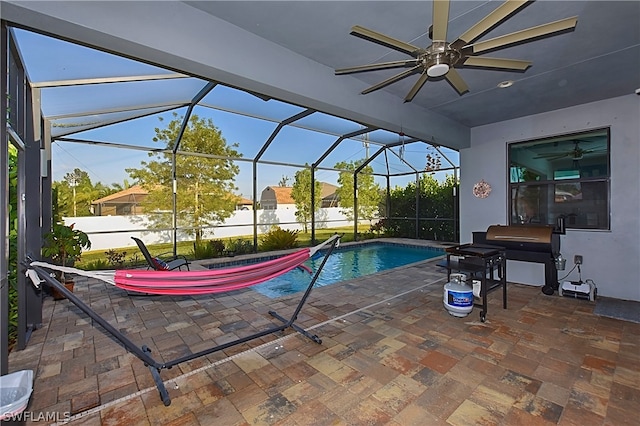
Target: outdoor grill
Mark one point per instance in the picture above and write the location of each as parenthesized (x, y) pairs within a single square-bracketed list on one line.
[(528, 243)]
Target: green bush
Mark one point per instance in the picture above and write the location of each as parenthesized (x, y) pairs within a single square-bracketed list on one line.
[(278, 239), (208, 249), (240, 246), (436, 212), (114, 258), (136, 260), (12, 278), (98, 265)]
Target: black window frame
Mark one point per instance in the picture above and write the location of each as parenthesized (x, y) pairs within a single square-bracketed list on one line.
[(551, 189)]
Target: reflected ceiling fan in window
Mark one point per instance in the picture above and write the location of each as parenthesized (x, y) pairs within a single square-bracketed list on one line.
[(441, 57), (576, 153)]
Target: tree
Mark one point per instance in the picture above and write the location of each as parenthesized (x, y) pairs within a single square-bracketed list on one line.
[(301, 194), (205, 183), (436, 210), (284, 182), (76, 192), (117, 187), (369, 195)]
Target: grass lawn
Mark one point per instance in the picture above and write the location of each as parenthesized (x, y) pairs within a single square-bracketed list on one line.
[(185, 248)]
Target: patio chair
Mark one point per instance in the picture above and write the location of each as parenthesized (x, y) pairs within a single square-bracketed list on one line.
[(158, 264)]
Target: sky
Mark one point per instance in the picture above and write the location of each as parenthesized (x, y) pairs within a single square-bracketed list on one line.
[(48, 60)]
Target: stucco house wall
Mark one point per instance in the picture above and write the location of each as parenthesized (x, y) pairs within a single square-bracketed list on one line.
[(611, 258)]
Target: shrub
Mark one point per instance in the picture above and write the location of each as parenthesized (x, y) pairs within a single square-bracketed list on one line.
[(114, 258), (240, 246), (64, 244), (98, 265), (278, 239), (12, 278), (208, 249), (136, 259)]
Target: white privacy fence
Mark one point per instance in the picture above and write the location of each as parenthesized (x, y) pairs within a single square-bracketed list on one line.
[(106, 232)]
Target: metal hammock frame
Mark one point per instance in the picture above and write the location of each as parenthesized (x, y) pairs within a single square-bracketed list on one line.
[(144, 352)]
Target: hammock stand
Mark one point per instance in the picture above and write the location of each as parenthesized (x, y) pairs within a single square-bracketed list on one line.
[(143, 352)]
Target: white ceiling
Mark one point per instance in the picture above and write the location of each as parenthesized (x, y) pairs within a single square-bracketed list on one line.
[(289, 49)]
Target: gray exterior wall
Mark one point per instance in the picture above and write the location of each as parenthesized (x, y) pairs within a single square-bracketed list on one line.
[(611, 258)]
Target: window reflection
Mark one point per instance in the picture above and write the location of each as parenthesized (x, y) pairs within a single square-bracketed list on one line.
[(564, 176)]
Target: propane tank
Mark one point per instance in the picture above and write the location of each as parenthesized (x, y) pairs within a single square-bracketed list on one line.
[(458, 297)]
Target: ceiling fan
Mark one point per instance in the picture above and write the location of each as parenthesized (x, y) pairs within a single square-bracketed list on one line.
[(576, 153), (441, 57)]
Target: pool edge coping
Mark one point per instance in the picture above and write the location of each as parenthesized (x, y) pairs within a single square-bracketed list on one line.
[(235, 260)]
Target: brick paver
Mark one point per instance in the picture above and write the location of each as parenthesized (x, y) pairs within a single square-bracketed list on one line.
[(391, 354)]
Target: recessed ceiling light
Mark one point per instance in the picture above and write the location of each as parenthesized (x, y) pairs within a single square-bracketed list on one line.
[(505, 84)]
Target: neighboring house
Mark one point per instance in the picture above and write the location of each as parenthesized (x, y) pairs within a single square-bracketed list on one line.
[(122, 203), (274, 197), (244, 204), (128, 202), (329, 196)]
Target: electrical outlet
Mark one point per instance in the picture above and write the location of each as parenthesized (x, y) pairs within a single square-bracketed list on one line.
[(577, 259)]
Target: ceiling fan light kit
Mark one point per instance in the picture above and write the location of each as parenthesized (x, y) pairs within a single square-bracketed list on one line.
[(437, 70), (441, 57)]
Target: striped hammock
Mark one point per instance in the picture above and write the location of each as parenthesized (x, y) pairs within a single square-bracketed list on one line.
[(195, 282)]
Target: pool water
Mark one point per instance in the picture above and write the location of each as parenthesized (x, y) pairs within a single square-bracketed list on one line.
[(345, 264)]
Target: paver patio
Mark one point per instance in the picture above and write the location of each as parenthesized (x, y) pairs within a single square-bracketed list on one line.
[(390, 355)]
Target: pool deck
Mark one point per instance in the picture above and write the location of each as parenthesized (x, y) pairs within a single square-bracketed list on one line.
[(390, 355)]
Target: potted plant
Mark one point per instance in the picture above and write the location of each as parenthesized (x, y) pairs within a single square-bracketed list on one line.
[(64, 246)]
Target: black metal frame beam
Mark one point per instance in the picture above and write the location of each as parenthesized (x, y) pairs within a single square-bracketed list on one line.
[(259, 155), (143, 352), (4, 206)]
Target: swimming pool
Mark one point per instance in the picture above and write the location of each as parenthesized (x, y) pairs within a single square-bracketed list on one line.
[(346, 263)]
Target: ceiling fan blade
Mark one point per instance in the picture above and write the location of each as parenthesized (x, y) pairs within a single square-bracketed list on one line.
[(593, 151), (525, 35), (440, 19), (549, 155), (379, 66), (390, 80), (456, 81), (501, 13), (553, 155), (416, 87), (385, 40), (511, 64)]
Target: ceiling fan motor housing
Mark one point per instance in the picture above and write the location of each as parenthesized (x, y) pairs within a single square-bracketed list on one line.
[(438, 57)]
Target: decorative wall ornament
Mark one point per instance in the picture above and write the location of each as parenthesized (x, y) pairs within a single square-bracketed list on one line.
[(481, 189), (433, 160)]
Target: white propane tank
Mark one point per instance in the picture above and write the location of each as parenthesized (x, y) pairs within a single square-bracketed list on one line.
[(458, 297)]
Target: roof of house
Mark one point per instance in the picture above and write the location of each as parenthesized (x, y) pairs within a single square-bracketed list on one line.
[(133, 190), (283, 194), (327, 190), (241, 201), (139, 190)]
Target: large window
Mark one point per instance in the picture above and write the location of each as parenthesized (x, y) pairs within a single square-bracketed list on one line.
[(565, 176)]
